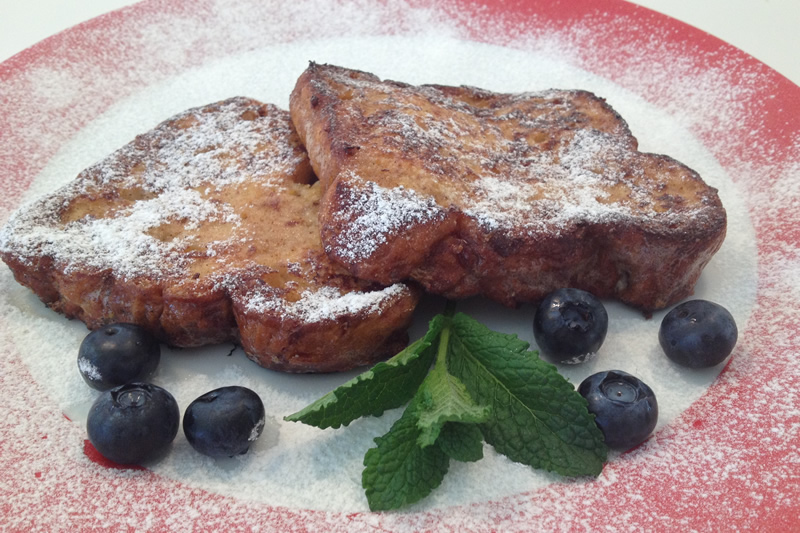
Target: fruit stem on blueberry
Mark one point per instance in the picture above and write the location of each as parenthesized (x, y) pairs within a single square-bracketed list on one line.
[(620, 391), (131, 397)]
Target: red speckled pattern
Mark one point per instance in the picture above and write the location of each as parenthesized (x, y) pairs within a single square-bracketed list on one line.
[(729, 463)]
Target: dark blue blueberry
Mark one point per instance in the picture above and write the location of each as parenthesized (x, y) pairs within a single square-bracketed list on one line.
[(133, 423), (625, 408), (570, 326), (224, 422), (117, 354), (698, 334)]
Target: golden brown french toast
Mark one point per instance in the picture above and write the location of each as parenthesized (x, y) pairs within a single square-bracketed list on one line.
[(506, 195), (204, 230)]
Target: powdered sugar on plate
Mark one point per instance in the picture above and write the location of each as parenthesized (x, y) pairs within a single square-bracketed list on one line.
[(700, 471)]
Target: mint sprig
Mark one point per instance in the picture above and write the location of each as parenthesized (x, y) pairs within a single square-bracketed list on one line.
[(483, 386), (408, 462)]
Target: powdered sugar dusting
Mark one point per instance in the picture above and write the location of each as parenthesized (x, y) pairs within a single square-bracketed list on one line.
[(197, 154), (372, 212), (257, 429), (215, 197), (88, 369), (700, 471), (122, 243), (174, 170), (530, 163), (323, 303), (559, 190)]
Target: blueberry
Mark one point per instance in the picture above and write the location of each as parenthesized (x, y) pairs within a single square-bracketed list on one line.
[(570, 325), (133, 423), (625, 408), (224, 422), (698, 334), (117, 354)]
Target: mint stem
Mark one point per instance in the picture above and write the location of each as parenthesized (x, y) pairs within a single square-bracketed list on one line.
[(444, 335), (444, 343)]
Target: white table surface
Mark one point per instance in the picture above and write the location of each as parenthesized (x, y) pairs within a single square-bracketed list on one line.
[(766, 29)]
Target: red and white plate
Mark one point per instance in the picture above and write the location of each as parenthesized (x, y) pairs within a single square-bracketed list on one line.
[(725, 454)]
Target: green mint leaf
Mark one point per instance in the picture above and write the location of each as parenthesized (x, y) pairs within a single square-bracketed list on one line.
[(399, 472), (387, 385), (538, 418), (443, 398), (462, 442)]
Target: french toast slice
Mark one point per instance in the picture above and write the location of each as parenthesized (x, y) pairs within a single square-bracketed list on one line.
[(204, 230), (510, 196)]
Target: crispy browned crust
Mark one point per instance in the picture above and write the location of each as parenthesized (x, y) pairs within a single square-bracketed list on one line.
[(233, 254), (505, 195)]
